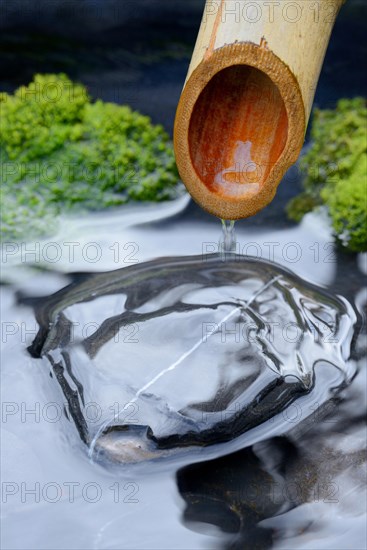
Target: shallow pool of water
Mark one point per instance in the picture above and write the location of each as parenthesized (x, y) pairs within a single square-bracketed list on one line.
[(204, 400)]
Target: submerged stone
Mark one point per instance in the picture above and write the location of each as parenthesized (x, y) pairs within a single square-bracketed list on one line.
[(191, 352)]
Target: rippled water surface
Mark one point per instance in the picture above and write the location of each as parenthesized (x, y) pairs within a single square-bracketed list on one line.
[(199, 350), (192, 401)]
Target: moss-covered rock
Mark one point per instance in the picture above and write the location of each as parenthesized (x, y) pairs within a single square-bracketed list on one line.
[(61, 152), (347, 203), (335, 172)]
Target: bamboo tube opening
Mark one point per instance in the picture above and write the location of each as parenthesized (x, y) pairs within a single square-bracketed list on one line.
[(239, 126), (243, 112), (237, 131)]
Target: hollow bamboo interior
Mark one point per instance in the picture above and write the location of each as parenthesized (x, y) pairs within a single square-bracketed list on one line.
[(243, 112)]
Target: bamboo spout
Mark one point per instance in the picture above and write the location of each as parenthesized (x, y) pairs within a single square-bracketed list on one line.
[(243, 112)]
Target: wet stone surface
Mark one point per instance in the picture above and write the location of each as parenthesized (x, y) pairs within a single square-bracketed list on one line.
[(191, 352)]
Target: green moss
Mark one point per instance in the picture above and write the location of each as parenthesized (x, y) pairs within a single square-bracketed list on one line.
[(335, 172), (301, 205), (347, 202), (61, 152)]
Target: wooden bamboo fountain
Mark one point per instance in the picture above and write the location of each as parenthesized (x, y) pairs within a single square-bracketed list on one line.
[(243, 113)]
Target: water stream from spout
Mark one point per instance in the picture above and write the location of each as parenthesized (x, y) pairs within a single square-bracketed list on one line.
[(227, 242)]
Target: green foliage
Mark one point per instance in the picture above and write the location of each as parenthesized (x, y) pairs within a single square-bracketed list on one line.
[(347, 202), (300, 205), (335, 172), (61, 152)]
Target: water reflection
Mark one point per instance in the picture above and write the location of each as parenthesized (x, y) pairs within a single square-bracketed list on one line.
[(234, 493)]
